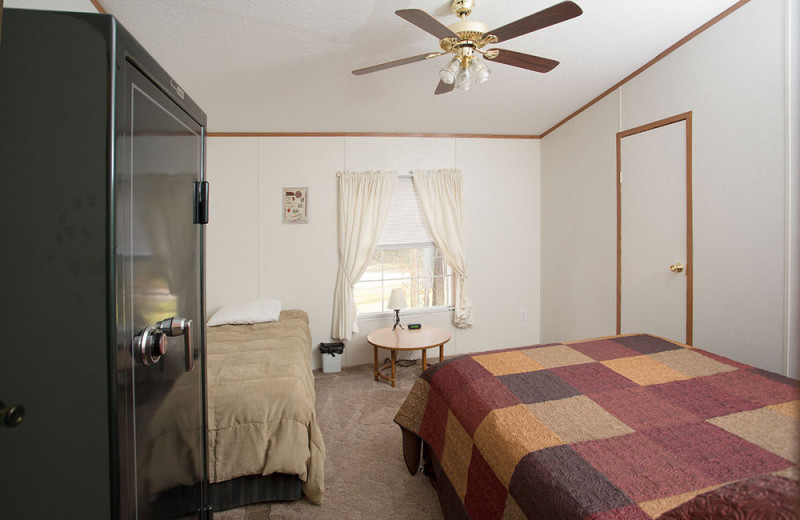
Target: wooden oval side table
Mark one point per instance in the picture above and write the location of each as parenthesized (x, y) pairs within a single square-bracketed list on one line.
[(400, 339)]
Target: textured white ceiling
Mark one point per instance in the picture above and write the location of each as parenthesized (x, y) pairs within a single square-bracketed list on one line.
[(84, 6), (284, 65)]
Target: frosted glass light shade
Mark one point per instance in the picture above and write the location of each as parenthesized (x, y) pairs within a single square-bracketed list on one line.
[(448, 74), (480, 70), (397, 300), (463, 79)]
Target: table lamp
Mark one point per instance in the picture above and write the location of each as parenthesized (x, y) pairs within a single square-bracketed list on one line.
[(397, 301)]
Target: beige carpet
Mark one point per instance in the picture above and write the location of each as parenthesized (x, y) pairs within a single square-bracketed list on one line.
[(365, 476)]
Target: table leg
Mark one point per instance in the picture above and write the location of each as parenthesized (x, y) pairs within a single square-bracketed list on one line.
[(376, 361), (441, 352), (394, 357), (424, 359)]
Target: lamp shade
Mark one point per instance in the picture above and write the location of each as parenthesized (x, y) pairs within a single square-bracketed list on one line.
[(397, 300)]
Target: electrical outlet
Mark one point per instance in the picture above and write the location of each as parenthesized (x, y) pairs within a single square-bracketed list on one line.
[(523, 314)]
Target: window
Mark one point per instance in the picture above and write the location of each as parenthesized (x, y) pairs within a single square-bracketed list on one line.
[(405, 258)]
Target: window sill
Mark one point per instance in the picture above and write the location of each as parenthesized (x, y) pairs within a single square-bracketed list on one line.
[(405, 313)]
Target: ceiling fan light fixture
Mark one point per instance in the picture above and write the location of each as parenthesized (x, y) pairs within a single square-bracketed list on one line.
[(450, 71), (468, 38)]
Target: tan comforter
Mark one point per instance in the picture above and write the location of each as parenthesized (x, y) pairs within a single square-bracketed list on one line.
[(261, 416)]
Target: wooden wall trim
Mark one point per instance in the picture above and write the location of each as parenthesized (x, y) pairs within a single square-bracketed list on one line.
[(652, 62), (369, 134), (686, 116), (100, 8)]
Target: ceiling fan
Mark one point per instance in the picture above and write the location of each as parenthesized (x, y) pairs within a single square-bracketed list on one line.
[(467, 38)]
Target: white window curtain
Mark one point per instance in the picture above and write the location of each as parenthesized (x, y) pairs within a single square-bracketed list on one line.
[(440, 195), (364, 200)]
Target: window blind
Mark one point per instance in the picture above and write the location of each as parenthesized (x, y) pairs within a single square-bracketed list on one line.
[(405, 226)]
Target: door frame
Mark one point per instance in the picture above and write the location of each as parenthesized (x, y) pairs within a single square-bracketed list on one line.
[(687, 117)]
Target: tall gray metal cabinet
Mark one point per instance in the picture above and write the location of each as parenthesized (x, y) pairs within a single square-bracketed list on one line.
[(102, 206)]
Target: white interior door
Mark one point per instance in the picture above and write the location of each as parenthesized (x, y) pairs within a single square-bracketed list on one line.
[(653, 232)]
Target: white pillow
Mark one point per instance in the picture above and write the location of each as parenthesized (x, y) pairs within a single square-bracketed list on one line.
[(244, 313)]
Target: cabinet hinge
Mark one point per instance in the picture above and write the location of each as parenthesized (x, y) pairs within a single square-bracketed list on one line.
[(201, 202)]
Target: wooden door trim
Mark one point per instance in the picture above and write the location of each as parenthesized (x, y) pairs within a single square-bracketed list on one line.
[(687, 117)]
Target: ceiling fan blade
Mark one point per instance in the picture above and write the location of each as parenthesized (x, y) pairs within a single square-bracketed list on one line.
[(552, 15), (444, 88), (426, 22), (525, 61), (391, 64)]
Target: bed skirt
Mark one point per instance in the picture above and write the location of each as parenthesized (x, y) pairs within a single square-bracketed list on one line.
[(254, 489)]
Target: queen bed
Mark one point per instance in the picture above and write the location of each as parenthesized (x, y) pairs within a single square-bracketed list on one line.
[(624, 427)]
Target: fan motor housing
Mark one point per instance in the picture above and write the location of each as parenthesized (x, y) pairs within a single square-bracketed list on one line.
[(470, 34), (469, 26)]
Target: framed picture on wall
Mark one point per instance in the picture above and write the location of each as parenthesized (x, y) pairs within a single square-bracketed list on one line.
[(295, 205)]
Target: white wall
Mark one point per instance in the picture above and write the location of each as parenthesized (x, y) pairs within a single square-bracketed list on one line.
[(250, 253), (793, 186), (732, 78), (232, 232), (84, 6), (579, 226)]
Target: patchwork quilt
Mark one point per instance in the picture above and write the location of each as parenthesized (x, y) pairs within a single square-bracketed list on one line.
[(625, 427)]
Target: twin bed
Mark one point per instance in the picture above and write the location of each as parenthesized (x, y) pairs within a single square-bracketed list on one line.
[(263, 438), (620, 428), (264, 443)]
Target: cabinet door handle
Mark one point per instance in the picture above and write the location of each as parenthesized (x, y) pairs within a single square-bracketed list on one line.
[(180, 326)]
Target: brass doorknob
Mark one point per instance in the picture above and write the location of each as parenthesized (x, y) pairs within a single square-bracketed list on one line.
[(676, 268)]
